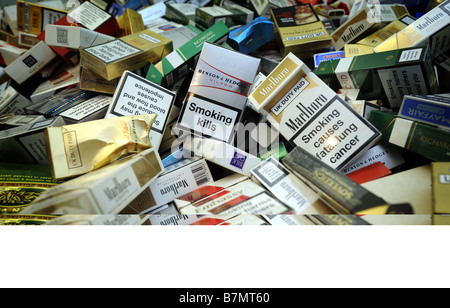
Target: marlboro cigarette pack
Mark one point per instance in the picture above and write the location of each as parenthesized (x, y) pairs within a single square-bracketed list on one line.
[(179, 179), (243, 198), (334, 188), (176, 65), (26, 144), (110, 60), (298, 30), (21, 184), (429, 141), (13, 102), (74, 37), (76, 149), (107, 190), (30, 62), (420, 31), (208, 189), (218, 93), (136, 95), (223, 154), (288, 188), (366, 21), (311, 115), (441, 187), (429, 109), (385, 32), (33, 17)]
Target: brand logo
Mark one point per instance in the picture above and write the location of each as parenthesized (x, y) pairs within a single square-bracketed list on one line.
[(30, 61), (238, 160)]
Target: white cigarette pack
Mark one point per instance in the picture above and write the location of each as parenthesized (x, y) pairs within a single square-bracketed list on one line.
[(180, 179), (287, 187), (107, 190), (30, 62), (9, 53), (223, 154), (74, 37), (218, 92), (12, 101), (136, 95)]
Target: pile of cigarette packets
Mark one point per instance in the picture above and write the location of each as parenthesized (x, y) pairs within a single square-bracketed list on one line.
[(225, 112)]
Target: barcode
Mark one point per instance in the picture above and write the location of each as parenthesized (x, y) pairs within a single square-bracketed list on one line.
[(117, 188), (200, 174), (388, 32)]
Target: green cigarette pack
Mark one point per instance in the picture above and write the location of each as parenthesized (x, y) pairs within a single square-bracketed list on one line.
[(175, 66), (385, 76), (423, 139), (231, 15)]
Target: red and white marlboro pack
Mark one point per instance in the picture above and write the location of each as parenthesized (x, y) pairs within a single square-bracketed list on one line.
[(180, 179), (9, 53), (218, 92), (31, 62), (244, 198), (207, 190)]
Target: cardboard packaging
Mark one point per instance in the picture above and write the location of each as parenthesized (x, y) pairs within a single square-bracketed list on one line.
[(107, 190), (353, 50), (33, 17), (9, 53), (218, 93), (244, 198), (69, 77), (30, 63), (327, 56), (441, 187), (91, 81), (365, 22), (183, 13), (25, 220), (285, 186), (175, 66), (99, 220), (223, 154), (430, 109), (74, 37), (20, 184), (383, 153), (11, 120), (54, 105), (426, 140), (298, 30), (136, 95), (130, 22), (130, 52), (94, 18), (80, 148), (207, 16), (337, 190), (369, 173), (311, 115), (181, 35), (251, 36), (179, 179), (94, 108), (208, 189), (25, 144), (421, 30), (13, 102), (379, 36), (386, 76)]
